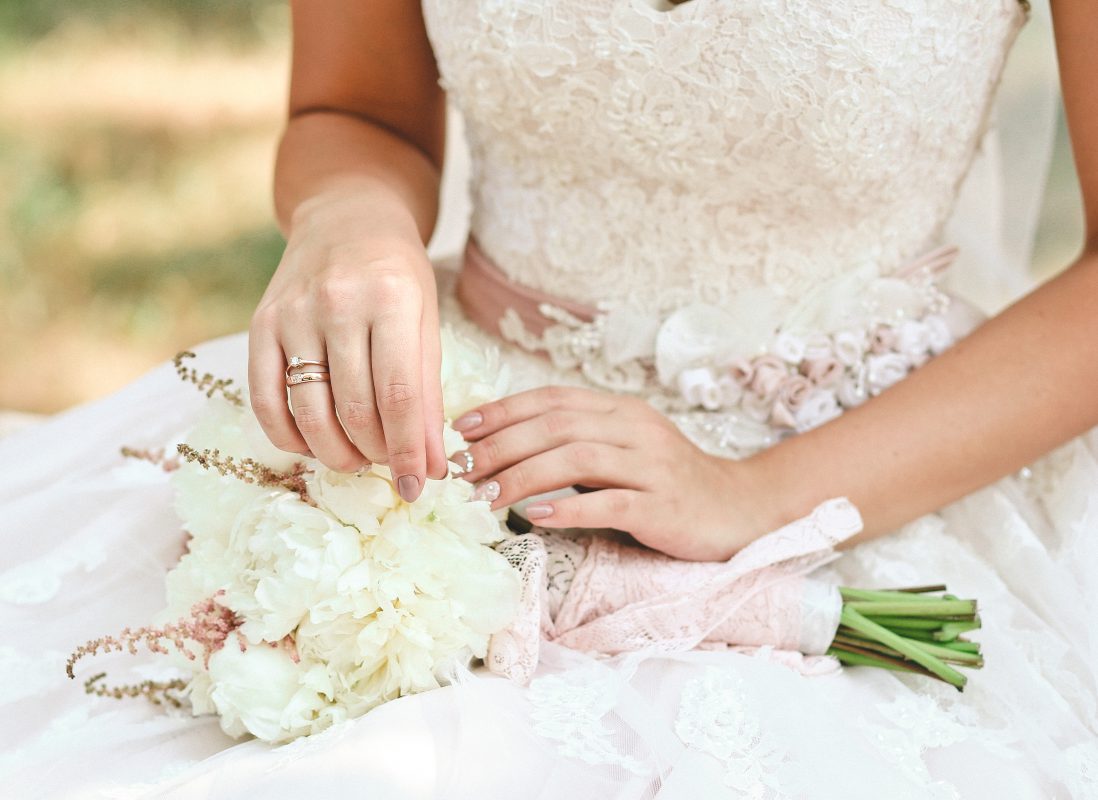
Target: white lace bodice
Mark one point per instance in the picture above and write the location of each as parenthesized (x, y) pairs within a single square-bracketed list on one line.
[(654, 155)]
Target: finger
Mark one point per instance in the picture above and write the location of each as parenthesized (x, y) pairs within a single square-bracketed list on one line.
[(492, 417), (593, 464), (267, 390), (605, 508), (398, 384), (314, 413), (353, 391), (437, 466), (547, 431)]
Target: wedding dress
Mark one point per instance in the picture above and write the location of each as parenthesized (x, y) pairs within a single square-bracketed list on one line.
[(682, 178)]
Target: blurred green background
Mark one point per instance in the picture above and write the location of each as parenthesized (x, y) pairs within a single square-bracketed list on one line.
[(136, 148)]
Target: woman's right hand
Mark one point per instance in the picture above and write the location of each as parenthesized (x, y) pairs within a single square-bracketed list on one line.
[(356, 290)]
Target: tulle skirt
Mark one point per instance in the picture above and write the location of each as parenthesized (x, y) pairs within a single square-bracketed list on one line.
[(87, 537)]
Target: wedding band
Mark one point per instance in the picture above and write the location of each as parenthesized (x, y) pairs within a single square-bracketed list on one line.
[(298, 361), (305, 377)]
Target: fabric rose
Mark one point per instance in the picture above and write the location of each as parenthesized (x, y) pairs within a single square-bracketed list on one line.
[(819, 407), (698, 387), (823, 372), (818, 347), (885, 370), (757, 407), (849, 347), (741, 371), (853, 388), (791, 397), (731, 391), (882, 340), (789, 348), (913, 340), (770, 373), (939, 338)]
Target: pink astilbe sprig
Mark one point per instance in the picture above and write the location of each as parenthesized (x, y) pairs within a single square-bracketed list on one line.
[(209, 626), (249, 470), (210, 384)]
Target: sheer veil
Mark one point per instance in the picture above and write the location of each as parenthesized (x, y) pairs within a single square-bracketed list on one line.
[(995, 219)]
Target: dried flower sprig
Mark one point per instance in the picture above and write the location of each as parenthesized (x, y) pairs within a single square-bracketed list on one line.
[(157, 457), (249, 470), (209, 626), (158, 693), (210, 384)]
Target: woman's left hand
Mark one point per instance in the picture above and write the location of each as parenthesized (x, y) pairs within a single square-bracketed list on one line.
[(652, 482)]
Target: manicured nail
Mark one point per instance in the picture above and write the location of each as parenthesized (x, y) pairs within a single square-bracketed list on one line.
[(408, 487), (487, 491), (462, 462), (538, 511), (467, 422)]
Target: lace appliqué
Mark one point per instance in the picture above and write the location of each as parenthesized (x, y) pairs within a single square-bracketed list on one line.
[(915, 724), (570, 710), (715, 718)]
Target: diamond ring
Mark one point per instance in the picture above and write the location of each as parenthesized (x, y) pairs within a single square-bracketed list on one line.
[(298, 361)]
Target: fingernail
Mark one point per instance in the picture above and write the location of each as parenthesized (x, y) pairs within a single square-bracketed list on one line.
[(467, 422), (538, 511), (487, 491), (461, 462), (408, 487)]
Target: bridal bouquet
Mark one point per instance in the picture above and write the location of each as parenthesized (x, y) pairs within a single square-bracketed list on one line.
[(306, 597)]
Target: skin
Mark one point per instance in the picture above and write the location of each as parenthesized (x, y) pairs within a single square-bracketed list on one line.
[(1020, 385)]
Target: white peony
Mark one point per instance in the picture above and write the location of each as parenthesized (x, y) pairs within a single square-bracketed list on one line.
[(345, 596), (471, 376), (253, 690)]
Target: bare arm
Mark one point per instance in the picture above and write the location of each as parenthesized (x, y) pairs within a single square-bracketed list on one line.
[(1023, 383), (366, 112), (356, 192)]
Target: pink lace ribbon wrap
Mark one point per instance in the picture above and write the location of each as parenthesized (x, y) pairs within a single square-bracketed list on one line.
[(626, 598)]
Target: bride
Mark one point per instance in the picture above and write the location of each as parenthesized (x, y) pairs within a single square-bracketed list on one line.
[(708, 238)]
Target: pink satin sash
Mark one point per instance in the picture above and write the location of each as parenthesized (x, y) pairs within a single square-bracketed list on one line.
[(485, 294)]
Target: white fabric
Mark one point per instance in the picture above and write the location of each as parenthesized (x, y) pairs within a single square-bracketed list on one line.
[(656, 158)]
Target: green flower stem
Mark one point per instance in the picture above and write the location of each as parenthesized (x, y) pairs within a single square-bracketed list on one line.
[(908, 623), (951, 630), (938, 587), (916, 608), (951, 655), (883, 595), (852, 618), (962, 646), (859, 657), (866, 644)]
